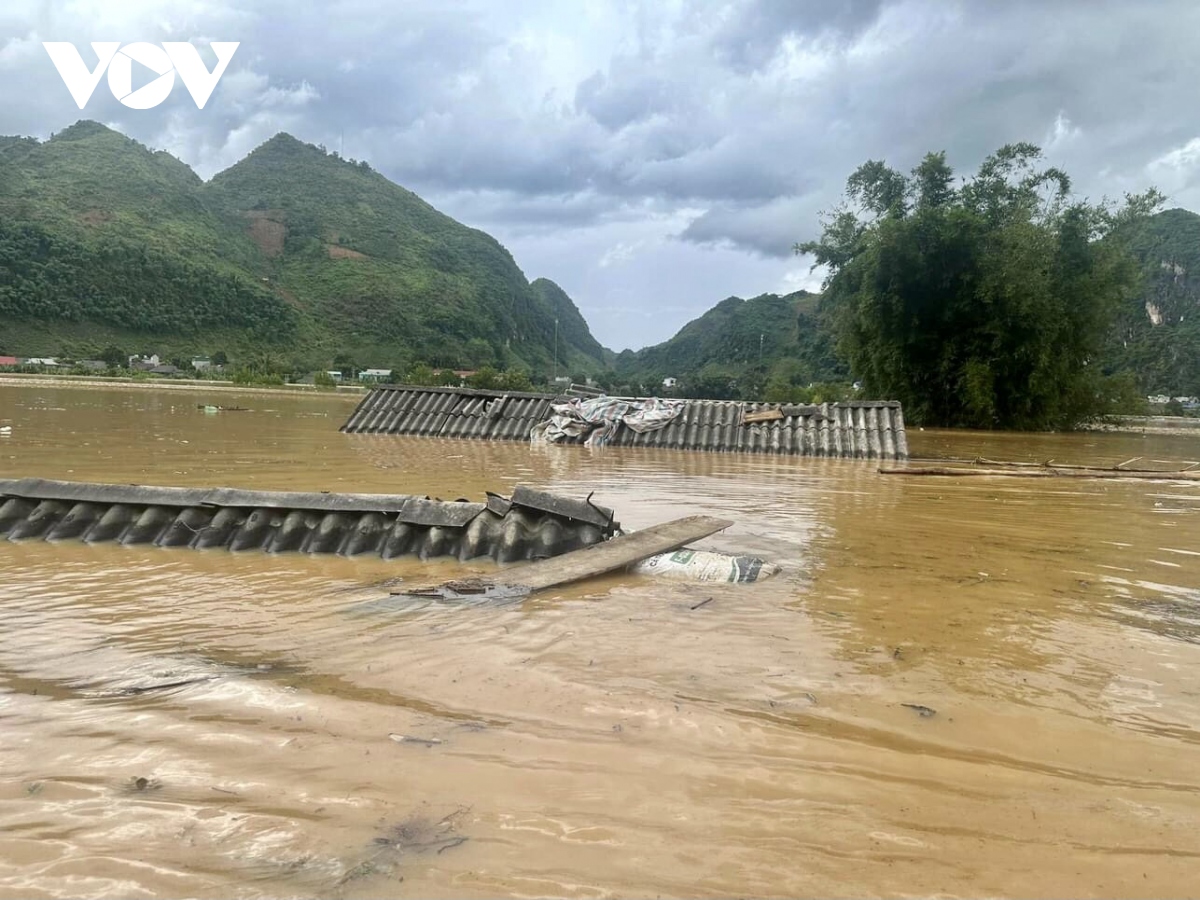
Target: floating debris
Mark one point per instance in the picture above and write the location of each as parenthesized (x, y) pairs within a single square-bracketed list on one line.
[(409, 739), (164, 686), (587, 562), (923, 711), (706, 565), (1020, 470), (417, 834)]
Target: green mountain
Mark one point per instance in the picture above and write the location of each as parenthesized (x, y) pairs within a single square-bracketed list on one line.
[(740, 347), (572, 329), (310, 258), (292, 250), (96, 230), (1158, 333)]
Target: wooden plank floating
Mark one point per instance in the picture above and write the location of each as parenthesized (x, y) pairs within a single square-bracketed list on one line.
[(1043, 472), (588, 562)]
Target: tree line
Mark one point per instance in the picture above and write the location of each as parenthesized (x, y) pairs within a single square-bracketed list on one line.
[(46, 276), (983, 302)]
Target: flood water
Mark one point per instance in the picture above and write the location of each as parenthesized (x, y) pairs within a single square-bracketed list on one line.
[(606, 740)]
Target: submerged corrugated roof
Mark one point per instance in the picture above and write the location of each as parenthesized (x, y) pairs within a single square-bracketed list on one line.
[(856, 429), (531, 524)]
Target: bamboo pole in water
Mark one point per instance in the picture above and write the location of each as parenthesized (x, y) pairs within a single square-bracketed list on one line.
[(1051, 464), (1043, 472)]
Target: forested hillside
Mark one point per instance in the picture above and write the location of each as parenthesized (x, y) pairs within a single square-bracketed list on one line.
[(1158, 335), (769, 344), (96, 230), (308, 258), (774, 346), (572, 328), (292, 250)]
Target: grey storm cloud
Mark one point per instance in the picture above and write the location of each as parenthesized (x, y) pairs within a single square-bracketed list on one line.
[(754, 30), (656, 155)]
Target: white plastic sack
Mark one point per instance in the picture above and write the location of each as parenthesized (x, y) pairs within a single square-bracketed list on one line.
[(706, 565)]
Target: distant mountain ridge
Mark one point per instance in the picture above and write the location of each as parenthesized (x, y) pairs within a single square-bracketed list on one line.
[(103, 240), (769, 344), (570, 324), (740, 346)]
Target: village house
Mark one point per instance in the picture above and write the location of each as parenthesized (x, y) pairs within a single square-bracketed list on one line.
[(376, 375)]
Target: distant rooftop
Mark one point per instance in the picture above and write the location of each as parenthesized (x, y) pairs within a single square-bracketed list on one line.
[(855, 429)]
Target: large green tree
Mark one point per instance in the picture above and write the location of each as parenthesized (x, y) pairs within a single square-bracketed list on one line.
[(983, 303)]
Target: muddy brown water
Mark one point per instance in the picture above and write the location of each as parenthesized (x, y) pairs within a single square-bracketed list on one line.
[(205, 724)]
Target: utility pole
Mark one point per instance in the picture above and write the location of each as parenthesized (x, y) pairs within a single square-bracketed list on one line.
[(760, 348), (556, 349)]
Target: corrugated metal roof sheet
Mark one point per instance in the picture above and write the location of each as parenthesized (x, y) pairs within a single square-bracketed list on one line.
[(870, 429), (532, 525)]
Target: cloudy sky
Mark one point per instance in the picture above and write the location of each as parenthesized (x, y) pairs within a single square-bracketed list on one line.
[(651, 157)]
